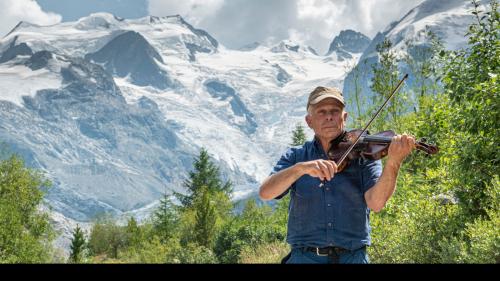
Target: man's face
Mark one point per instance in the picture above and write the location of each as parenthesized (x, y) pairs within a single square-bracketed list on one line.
[(327, 118)]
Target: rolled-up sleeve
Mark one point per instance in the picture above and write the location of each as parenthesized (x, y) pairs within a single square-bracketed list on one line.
[(287, 160), (371, 172)]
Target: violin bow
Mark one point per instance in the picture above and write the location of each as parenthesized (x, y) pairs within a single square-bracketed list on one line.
[(371, 120)]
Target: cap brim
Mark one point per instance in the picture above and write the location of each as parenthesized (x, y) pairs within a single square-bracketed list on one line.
[(322, 97)]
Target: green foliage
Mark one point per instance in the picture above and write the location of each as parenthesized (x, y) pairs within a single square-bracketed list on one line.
[(444, 209), (107, 238), (483, 233), (265, 253), (358, 100), (153, 250), (299, 136), (205, 174), (423, 63), (134, 235), (205, 219), (253, 227), (165, 219), (193, 253), (471, 82), (414, 225), (385, 78), (25, 232), (78, 246)]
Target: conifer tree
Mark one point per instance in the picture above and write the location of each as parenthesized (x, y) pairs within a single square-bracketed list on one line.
[(165, 219), (134, 233), (78, 246), (299, 136), (205, 173), (205, 219)]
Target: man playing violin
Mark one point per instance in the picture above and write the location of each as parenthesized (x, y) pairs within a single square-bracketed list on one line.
[(329, 211)]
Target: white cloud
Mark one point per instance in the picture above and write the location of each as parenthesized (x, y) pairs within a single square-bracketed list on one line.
[(14, 11), (193, 11), (314, 22)]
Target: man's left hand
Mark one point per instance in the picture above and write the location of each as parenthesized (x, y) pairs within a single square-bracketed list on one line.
[(400, 147)]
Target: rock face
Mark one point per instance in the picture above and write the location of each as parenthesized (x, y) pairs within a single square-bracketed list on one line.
[(130, 54), (39, 60), (224, 92), (347, 42), (14, 51), (112, 156)]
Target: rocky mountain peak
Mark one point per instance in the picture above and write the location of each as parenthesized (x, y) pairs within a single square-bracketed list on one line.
[(348, 41), (131, 54)]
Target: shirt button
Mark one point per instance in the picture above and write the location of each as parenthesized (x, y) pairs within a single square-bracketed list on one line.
[(329, 205), (327, 188), (329, 224)]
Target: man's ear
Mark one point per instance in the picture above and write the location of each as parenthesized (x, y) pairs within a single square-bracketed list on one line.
[(345, 117), (308, 120)]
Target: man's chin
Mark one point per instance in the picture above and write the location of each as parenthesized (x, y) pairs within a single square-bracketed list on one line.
[(332, 134)]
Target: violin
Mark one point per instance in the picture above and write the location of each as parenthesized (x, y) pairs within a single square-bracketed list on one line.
[(372, 147), (358, 143)]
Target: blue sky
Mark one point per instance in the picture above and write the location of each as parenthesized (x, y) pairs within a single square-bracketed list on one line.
[(233, 23), (72, 10)]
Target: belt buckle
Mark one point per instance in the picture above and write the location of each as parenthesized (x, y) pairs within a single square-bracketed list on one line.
[(321, 255)]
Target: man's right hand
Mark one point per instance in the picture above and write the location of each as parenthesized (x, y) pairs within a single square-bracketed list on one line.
[(323, 169)]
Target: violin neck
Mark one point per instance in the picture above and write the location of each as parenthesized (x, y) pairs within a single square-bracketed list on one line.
[(377, 139), (429, 149)]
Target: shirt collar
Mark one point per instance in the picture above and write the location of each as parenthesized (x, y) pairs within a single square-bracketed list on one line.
[(317, 143)]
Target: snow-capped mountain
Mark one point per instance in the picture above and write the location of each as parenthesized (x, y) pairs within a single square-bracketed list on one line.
[(448, 19), (347, 42), (114, 111), (290, 46)]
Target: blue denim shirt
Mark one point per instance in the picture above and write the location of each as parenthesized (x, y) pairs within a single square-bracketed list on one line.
[(334, 214)]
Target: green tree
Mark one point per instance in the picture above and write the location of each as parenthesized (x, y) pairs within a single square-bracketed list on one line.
[(357, 101), (299, 136), (205, 173), (78, 246), (471, 81), (165, 219), (25, 232), (205, 219), (422, 62), (385, 79), (135, 235), (106, 237)]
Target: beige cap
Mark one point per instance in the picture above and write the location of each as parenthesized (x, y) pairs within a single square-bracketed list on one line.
[(321, 93)]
